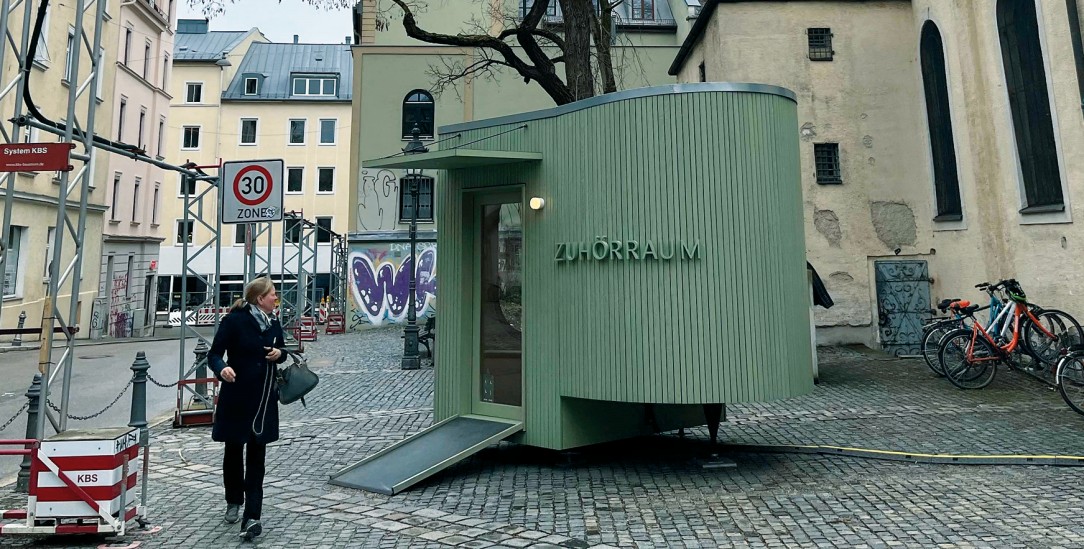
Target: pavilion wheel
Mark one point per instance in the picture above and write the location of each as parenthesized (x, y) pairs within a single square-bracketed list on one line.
[(968, 364), (1070, 378), (1059, 331), (931, 345)]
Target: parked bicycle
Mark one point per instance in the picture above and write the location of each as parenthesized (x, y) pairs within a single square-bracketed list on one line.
[(1069, 377), (935, 331), (969, 356)]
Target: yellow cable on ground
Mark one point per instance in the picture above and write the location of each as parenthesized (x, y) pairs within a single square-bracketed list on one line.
[(919, 457)]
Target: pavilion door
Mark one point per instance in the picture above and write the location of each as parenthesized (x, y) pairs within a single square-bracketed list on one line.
[(498, 311)]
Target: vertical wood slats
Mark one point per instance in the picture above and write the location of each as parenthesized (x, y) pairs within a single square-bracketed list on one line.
[(718, 167)]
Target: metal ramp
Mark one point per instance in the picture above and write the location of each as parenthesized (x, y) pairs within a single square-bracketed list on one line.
[(414, 459)]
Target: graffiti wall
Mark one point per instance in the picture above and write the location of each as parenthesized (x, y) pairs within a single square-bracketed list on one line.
[(120, 307), (380, 281)]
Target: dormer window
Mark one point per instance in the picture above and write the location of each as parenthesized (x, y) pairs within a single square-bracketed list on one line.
[(252, 86), (525, 6), (314, 86), (643, 10)]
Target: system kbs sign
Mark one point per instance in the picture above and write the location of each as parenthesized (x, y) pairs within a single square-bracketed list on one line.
[(36, 157), (251, 191)]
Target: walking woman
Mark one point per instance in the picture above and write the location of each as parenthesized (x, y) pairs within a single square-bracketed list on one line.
[(246, 348)]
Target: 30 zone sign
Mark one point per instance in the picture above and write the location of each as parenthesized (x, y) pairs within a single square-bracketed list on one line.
[(251, 191)]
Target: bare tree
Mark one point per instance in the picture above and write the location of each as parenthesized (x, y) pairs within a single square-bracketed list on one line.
[(525, 42)]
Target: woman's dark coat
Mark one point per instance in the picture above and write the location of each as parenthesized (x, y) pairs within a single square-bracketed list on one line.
[(239, 403)]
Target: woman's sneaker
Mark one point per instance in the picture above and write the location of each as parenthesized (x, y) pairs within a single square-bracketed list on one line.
[(232, 512), (250, 528)]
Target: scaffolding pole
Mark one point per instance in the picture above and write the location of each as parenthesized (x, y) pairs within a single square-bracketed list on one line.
[(308, 266), (291, 278), (74, 189), (195, 405), (258, 259), (8, 51), (338, 272)]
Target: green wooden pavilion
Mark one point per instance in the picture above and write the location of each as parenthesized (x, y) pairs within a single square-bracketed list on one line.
[(609, 268)]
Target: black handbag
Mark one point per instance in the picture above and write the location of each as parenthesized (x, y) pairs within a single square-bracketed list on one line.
[(296, 380)]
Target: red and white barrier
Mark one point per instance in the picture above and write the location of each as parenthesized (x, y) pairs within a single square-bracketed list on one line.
[(204, 316), (306, 329), (81, 482)]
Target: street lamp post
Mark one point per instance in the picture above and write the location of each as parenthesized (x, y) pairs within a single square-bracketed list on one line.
[(411, 360)]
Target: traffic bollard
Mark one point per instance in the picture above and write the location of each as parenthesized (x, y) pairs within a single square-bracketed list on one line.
[(139, 392), (33, 395), (201, 367), (18, 341), (138, 420)]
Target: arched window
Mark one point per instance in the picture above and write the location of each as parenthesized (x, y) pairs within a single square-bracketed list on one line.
[(939, 122), (418, 109), (1025, 80)]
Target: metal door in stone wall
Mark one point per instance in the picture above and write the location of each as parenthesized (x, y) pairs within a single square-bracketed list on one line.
[(903, 304)]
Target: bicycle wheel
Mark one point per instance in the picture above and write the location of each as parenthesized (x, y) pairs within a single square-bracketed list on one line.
[(1070, 376), (1059, 330), (931, 345), (968, 365)]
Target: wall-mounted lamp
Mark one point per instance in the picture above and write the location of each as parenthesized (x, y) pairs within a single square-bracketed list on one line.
[(537, 203)]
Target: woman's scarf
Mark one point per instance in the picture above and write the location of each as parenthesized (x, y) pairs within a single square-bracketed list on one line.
[(261, 318)]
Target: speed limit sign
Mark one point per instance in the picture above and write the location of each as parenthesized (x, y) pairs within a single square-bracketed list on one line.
[(251, 191)]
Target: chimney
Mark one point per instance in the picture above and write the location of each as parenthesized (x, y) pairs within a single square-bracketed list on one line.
[(295, 39)]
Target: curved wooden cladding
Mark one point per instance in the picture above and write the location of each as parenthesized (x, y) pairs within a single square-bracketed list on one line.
[(721, 168)]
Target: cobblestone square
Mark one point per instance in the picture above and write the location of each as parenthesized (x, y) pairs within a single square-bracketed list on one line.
[(649, 492)]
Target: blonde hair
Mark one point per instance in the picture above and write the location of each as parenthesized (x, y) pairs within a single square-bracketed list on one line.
[(254, 291)]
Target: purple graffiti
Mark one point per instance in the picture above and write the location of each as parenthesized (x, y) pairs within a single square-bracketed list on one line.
[(381, 288)]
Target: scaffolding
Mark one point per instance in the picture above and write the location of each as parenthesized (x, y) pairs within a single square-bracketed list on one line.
[(257, 258), (339, 255), (76, 128), (308, 266), (14, 134), (291, 278), (200, 207)]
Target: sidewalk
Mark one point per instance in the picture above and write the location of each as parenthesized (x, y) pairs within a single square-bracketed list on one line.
[(648, 492)]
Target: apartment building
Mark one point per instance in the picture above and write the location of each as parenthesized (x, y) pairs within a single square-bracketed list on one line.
[(28, 245), (237, 97), (135, 190)]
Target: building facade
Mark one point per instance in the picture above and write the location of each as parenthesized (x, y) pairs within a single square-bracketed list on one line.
[(238, 97), (29, 244), (134, 228), (939, 145), (394, 89)]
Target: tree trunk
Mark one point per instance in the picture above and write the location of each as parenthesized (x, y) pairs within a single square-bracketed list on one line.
[(603, 39), (578, 15)]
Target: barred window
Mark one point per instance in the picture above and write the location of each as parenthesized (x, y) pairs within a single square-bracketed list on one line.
[(826, 158), (425, 200), (820, 44)]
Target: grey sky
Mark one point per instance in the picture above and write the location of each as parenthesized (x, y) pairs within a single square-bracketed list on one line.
[(279, 21)]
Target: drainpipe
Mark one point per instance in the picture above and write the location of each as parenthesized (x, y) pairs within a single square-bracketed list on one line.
[(1078, 46)]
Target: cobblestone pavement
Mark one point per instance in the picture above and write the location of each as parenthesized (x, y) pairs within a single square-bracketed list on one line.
[(647, 492)]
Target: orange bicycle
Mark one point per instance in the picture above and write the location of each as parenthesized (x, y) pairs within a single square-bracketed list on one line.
[(969, 356)]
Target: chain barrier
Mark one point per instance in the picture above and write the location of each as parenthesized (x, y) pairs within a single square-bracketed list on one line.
[(92, 416), (162, 385), (14, 417)]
